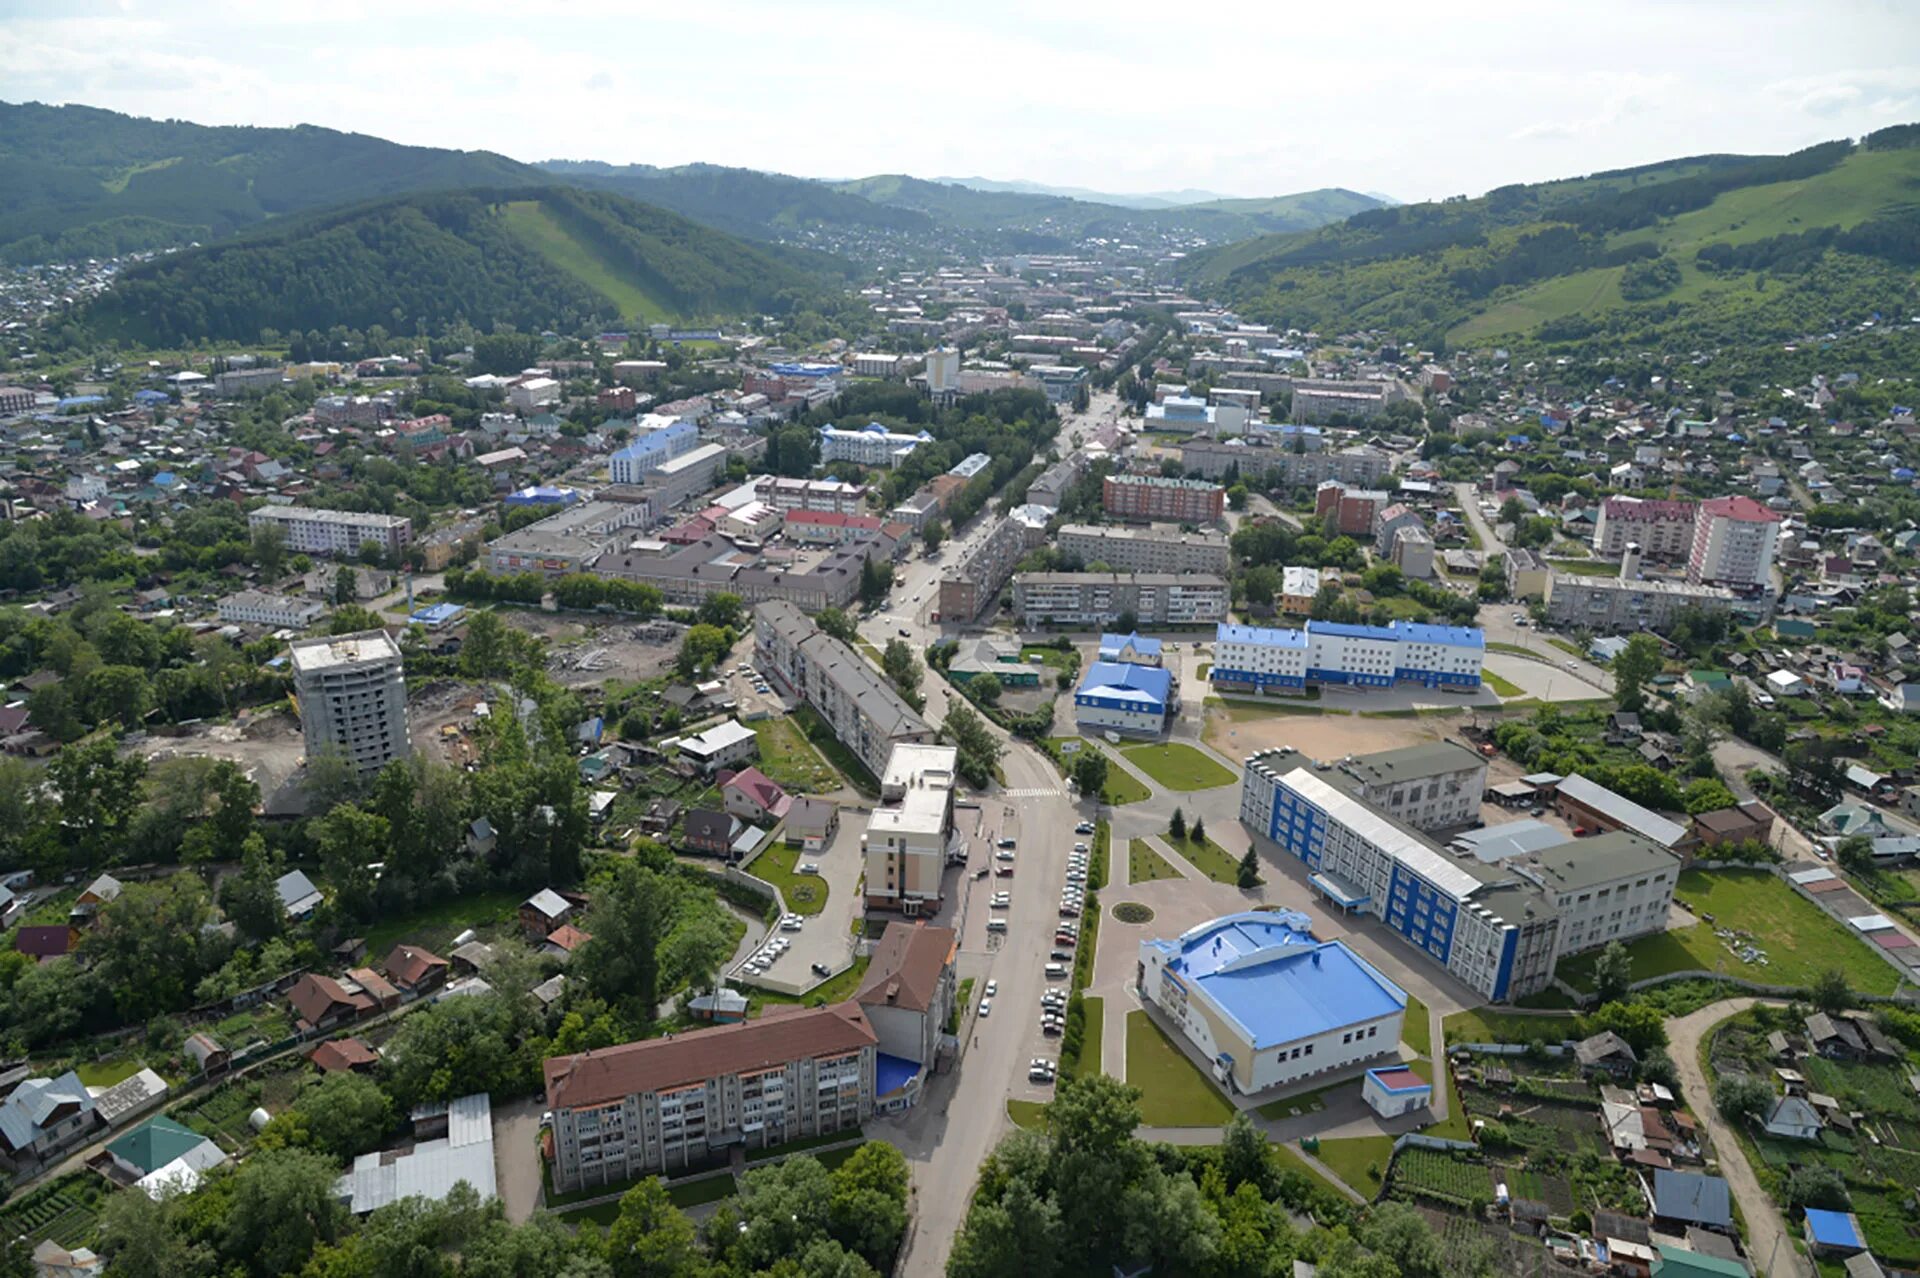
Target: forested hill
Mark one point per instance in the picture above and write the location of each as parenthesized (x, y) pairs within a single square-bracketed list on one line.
[(744, 202), (542, 257), (77, 181), (1710, 250)]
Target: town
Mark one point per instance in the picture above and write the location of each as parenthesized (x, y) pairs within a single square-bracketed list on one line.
[(1010, 754)]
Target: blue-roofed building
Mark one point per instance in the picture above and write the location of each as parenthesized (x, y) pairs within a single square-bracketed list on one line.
[(1117, 697), (1834, 1233), (543, 495), (1268, 1004), (1262, 659), (150, 397), (1133, 649), (437, 616), (656, 441)]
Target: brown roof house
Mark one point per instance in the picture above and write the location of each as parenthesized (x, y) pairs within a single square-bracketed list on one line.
[(415, 970), (811, 823), (374, 986), (706, 831), (908, 996), (320, 1002), (564, 941), (339, 1055), (1737, 824)]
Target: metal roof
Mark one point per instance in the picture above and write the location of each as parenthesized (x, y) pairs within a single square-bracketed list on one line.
[(1409, 849), (1622, 810), (431, 1168)]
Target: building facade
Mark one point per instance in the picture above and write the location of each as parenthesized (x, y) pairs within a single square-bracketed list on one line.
[(256, 608), (832, 496), (1159, 548), (1430, 787), (1609, 605), (1662, 529), (1322, 400), (1281, 660), (909, 838), (334, 532), (1354, 510), (864, 712), (1734, 542), (870, 445), (972, 585), (656, 440), (1124, 698), (567, 542), (353, 697), (1151, 497), (1156, 600)]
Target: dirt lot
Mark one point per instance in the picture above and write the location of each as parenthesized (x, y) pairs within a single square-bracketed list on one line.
[(440, 720), (1237, 731), (269, 746), (586, 653)]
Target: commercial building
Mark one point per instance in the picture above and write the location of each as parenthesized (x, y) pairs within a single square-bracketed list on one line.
[(239, 381), (1061, 383), (1156, 599), (690, 474), (333, 532), (532, 394), (824, 527), (1612, 605), (1589, 806), (909, 837), (1734, 541), (943, 372), (688, 1100), (453, 1142), (567, 542), (864, 712), (688, 572), (1322, 400), (1662, 529), (1152, 497), (1133, 649), (833, 496), (1432, 786), (908, 999), (352, 697), (283, 612), (1282, 660), (1155, 548), (972, 585), (656, 439), (1117, 697), (1354, 510), (1267, 1004), (871, 445)]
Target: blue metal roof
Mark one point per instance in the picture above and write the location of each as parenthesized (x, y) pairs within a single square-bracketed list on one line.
[(1111, 678), (1277, 982), (891, 1073), (1832, 1228), (1274, 636), (1350, 630), (1423, 632), (1141, 644)]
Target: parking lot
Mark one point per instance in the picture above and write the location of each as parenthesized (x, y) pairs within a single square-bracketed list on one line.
[(827, 937)]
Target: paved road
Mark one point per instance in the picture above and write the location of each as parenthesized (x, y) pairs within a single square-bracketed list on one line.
[(516, 1156), (1769, 1244), (1469, 499)]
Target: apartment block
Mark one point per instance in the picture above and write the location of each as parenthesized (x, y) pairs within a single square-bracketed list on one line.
[(1152, 497), (971, 586), (1051, 488), (1321, 400), (833, 496), (311, 531), (258, 608), (1157, 548), (352, 697), (1662, 529), (1734, 542), (1156, 600), (1354, 510), (909, 839), (1527, 572), (1610, 605), (864, 712)]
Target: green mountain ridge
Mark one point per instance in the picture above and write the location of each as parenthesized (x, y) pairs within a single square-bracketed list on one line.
[(532, 257), (1722, 248)]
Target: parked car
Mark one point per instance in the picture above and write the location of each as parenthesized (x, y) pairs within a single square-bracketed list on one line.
[(986, 1007), (996, 925)]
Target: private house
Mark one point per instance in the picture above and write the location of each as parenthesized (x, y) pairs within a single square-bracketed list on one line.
[(43, 1116), (1792, 1118), (1835, 1037), (750, 795), (339, 1055), (102, 891), (542, 912), (811, 823), (1606, 1052), (320, 1002), (45, 944), (415, 970), (162, 1157), (299, 898), (366, 981), (563, 941), (1741, 823), (1683, 1199), (707, 832)]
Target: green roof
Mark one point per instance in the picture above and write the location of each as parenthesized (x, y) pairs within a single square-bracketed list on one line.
[(153, 1145), (1676, 1262)]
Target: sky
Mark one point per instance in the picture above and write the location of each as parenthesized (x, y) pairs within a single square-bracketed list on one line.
[(1405, 97)]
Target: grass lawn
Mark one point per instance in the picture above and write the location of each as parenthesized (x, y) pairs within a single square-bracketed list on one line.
[(1799, 940), (1417, 1031), (1495, 645), (1457, 1126), (1206, 667), (803, 1144), (1121, 787), (1173, 1091), (1209, 858), (1504, 687), (790, 761), (1586, 567), (1565, 645), (1048, 656), (1361, 1161), (833, 990), (601, 1214), (1491, 1025), (816, 730), (1177, 766), (1144, 865), (544, 234), (1031, 1115), (436, 925), (107, 1073), (1096, 1013), (804, 893)]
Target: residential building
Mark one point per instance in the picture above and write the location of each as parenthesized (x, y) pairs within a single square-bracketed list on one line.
[(312, 531), (721, 746), (908, 999), (870, 445), (567, 542), (15, 400), (909, 836), (656, 440), (43, 1116), (689, 1100), (1734, 541), (1610, 604), (1527, 573), (1741, 823), (1355, 511), (1259, 659), (826, 527), (752, 796), (1051, 488), (834, 496), (1390, 521), (1322, 400), (1662, 529), (453, 1142), (1299, 587), (1151, 497), (1412, 553), (532, 394), (239, 381), (972, 585), (283, 612), (864, 712), (1114, 697), (943, 372), (811, 823), (1356, 466), (1266, 1003), (688, 475), (1430, 787), (1160, 548), (352, 696), (1156, 599)]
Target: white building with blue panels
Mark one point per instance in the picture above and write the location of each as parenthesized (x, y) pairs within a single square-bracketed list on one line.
[(1487, 925), (870, 445), (1282, 660), (1121, 697), (657, 440)]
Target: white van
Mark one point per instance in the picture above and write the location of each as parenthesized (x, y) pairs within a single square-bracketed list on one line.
[(996, 925)]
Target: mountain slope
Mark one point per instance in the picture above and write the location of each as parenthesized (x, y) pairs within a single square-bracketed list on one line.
[(1696, 245), (1137, 200), (78, 181), (744, 202), (531, 257)]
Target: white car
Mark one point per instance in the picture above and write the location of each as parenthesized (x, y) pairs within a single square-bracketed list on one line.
[(986, 1007), (1003, 855), (993, 987), (790, 925), (809, 867)]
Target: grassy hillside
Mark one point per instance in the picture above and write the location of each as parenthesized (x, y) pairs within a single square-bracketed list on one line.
[(530, 257), (1727, 248), (76, 181)]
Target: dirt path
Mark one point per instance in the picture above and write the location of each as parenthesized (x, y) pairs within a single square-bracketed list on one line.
[(1769, 1246)]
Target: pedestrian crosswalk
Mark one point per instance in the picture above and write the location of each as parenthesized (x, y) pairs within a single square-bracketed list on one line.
[(1030, 794)]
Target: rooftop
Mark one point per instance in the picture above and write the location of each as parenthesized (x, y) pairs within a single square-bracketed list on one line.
[(1621, 810), (1411, 763), (1584, 863), (1127, 681), (363, 648), (431, 1168), (1411, 849)]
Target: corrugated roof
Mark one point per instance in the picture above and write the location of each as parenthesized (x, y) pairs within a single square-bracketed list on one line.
[(1624, 811), (1418, 855), (431, 1168)]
